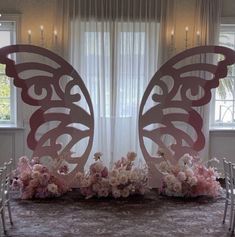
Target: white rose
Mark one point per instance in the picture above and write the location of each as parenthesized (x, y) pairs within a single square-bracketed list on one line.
[(116, 193), (113, 181), (53, 188), (125, 192), (122, 179)]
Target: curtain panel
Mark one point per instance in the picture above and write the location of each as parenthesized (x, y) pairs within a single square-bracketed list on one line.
[(117, 46), (114, 47)]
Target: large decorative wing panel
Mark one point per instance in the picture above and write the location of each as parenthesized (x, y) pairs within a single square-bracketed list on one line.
[(172, 100), (63, 109)]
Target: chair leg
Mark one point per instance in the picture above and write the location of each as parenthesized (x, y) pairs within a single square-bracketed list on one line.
[(3, 221), (9, 212), (225, 210), (231, 215)]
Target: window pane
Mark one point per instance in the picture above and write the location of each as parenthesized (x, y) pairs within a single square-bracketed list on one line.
[(225, 91), (4, 109), (4, 86), (5, 37), (227, 39), (7, 101), (224, 112), (2, 69), (224, 94)]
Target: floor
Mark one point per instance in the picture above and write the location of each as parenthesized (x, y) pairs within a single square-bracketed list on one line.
[(153, 215)]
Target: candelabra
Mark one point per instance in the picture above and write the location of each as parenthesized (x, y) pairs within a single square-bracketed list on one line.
[(51, 43)]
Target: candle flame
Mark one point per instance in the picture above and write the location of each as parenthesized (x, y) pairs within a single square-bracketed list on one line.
[(55, 32), (172, 32), (29, 32), (198, 32), (186, 28), (41, 27)]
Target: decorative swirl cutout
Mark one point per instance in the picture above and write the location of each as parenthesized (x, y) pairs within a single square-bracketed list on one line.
[(44, 90), (190, 89)]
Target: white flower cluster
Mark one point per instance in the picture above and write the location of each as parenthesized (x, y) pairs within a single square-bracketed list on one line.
[(122, 181)]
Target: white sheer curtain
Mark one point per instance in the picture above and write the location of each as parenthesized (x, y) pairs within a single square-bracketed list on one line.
[(114, 47), (207, 19)]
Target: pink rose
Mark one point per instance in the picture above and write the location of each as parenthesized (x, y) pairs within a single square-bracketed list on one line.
[(104, 172)]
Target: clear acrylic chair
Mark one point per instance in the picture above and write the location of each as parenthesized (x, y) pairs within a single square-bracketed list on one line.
[(229, 199), (2, 196), (233, 184), (8, 166)]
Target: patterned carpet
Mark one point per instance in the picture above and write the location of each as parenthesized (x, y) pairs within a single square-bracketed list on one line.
[(153, 215)]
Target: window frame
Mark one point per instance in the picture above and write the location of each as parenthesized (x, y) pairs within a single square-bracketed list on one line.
[(227, 23), (15, 100)]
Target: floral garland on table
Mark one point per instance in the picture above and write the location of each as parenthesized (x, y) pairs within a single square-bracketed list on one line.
[(188, 178), (35, 180), (122, 180)]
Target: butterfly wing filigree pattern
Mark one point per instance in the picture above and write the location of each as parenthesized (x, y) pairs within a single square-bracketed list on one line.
[(60, 98), (181, 86)]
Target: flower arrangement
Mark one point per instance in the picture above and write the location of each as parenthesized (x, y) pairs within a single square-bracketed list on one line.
[(188, 178), (122, 180), (35, 180)]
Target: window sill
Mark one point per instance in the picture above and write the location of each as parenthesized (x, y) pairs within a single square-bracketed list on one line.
[(4, 127), (222, 130)]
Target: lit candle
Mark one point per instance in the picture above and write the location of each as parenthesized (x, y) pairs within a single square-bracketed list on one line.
[(55, 37), (41, 29), (0, 15), (55, 33), (42, 34), (198, 37), (186, 37), (172, 40), (29, 37)]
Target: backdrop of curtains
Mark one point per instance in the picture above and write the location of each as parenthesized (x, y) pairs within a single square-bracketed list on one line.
[(117, 46), (207, 20), (114, 47)]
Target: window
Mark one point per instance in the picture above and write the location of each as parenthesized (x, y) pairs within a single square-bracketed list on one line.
[(223, 115), (119, 60), (8, 112), (116, 59)]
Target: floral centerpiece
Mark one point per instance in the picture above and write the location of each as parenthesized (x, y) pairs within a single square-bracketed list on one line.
[(188, 178), (35, 180), (122, 180)]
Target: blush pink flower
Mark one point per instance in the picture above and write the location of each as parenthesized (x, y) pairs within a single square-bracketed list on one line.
[(181, 176), (116, 193)]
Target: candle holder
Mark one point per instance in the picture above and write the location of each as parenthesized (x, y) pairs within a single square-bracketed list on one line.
[(42, 41)]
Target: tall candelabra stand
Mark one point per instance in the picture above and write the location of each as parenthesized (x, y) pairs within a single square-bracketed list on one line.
[(51, 43)]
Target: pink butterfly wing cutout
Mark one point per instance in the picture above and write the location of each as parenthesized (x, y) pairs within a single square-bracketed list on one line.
[(172, 104), (46, 85)]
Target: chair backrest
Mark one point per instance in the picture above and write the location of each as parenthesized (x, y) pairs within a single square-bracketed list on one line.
[(2, 183), (8, 166), (228, 175)]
